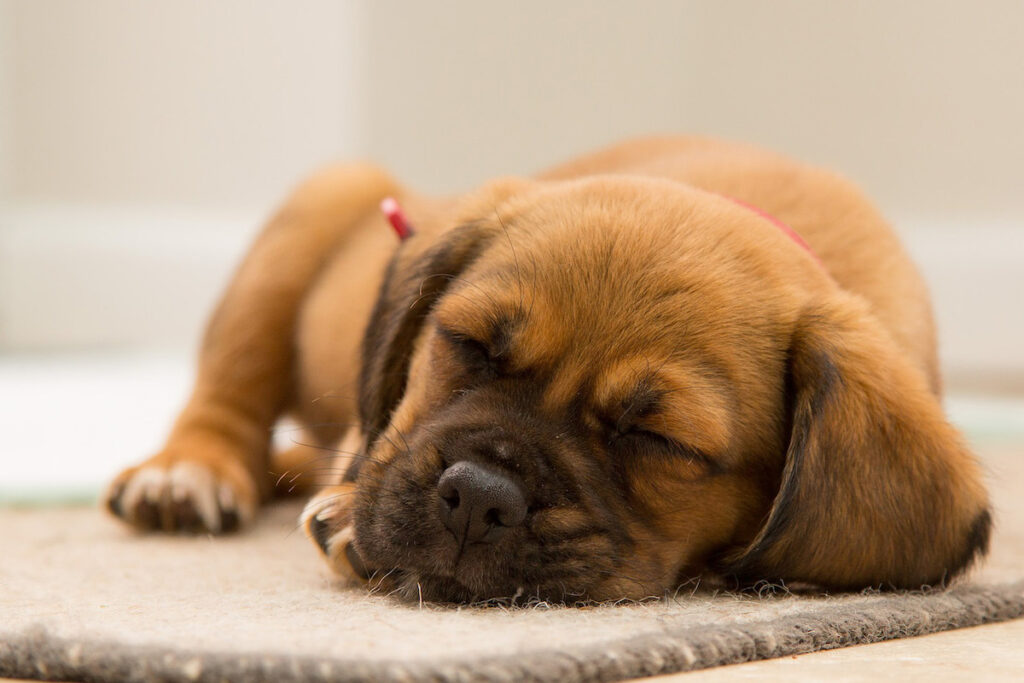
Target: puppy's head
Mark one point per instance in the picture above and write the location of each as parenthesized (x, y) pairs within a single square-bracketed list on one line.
[(595, 389)]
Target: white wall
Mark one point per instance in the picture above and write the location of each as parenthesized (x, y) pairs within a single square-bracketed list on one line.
[(921, 101), (207, 104), (222, 104), (141, 142), (144, 141), (6, 104)]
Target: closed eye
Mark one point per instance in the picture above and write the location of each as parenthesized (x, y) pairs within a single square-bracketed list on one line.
[(474, 354), (647, 443)]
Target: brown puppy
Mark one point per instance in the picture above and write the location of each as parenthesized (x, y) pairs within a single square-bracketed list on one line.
[(591, 384)]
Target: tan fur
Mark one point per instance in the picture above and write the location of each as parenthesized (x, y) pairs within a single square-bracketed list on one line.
[(810, 489)]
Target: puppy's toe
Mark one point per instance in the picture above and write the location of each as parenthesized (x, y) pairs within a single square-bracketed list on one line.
[(182, 496), (319, 532), (327, 520)]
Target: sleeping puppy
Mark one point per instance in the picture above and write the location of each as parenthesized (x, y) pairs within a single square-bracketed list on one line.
[(669, 358)]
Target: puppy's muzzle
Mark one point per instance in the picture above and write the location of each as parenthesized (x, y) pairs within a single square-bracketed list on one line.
[(478, 504)]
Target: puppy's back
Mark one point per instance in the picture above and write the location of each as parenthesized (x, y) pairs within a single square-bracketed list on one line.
[(854, 242)]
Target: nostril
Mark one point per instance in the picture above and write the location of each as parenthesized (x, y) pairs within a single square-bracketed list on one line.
[(448, 490), (493, 517), (451, 500)]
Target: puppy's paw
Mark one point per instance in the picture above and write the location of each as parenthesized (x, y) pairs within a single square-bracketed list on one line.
[(327, 520), (183, 494)]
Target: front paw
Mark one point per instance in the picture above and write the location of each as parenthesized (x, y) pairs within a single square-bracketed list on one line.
[(184, 495), (327, 519)]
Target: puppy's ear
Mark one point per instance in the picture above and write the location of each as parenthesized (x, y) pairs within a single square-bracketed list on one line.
[(877, 488), (413, 283)]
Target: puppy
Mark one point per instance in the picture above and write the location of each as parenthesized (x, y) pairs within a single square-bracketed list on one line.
[(669, 358)]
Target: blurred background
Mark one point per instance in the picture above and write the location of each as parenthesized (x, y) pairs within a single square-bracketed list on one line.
[(142, 143)]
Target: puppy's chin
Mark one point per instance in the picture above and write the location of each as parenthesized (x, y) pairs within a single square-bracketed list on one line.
[(466, 580), (414, 586)]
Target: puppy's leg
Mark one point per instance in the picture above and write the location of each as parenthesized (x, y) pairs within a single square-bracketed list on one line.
[(213, 471)]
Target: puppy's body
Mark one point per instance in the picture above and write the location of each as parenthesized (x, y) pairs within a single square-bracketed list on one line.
[(636, 264)]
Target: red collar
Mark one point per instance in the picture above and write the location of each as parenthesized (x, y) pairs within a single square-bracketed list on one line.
[(786, 230), (396, 217)]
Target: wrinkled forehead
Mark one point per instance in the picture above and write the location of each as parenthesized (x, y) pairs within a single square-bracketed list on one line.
[(548, 304), (603, 322), (592, 281)]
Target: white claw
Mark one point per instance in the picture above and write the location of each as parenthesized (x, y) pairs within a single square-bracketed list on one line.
[(312, 509), (226, 498), (144, 484)]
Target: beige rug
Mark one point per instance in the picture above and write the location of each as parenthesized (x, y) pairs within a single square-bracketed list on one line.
[(81, 598)]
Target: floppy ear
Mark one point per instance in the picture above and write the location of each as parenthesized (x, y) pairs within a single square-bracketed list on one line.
[(412, 285), (878, 488)]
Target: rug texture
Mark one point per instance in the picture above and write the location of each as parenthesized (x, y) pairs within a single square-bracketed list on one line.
[(82, 598)]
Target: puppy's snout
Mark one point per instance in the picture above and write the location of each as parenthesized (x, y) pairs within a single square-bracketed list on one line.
[(479, 505)]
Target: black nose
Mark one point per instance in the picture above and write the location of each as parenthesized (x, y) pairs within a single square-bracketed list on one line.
[(478, 504)]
